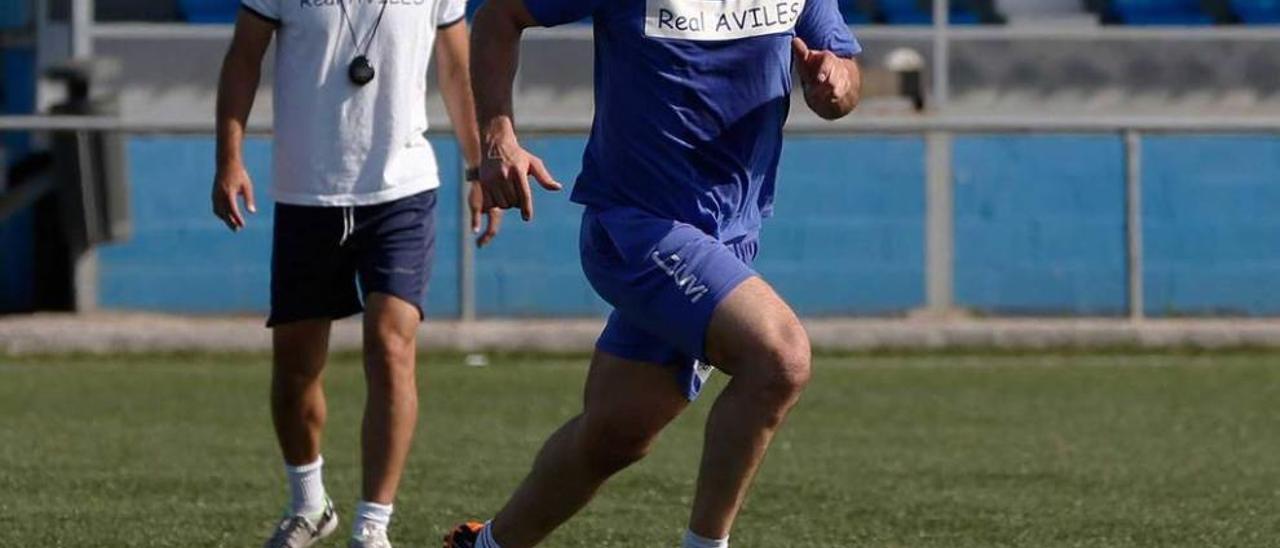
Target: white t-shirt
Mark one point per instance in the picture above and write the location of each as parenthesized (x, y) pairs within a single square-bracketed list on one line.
[(339, 144)]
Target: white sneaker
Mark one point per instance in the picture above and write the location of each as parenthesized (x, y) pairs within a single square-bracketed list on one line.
[(370, 537), (301, 531)]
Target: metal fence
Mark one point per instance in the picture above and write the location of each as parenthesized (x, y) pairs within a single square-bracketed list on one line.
[(938, 132)]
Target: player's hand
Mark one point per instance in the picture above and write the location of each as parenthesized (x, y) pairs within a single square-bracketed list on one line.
[(505, 173), (229, 184), (475, 202), (825, 77)]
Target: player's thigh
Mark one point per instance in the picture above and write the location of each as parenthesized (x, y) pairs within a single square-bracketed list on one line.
[(754, 331), (627, 402), (300, 348)]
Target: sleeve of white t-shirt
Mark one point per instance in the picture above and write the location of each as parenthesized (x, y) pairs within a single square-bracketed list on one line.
[(267, 10), (451, 11)]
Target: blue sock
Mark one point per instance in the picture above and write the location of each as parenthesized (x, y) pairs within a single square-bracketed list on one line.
[(485, 540)]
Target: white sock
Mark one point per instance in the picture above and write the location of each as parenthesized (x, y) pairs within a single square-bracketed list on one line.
[(485, 540), (306, 488), (692, 540), (371, 516)]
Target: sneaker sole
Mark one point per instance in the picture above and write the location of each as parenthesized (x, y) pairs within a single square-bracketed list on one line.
[(326, 530)]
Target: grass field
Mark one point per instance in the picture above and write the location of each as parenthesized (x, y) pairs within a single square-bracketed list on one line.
[(932, 451)]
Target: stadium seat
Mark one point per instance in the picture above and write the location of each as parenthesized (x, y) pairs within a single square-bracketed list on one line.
[(853, 12), (916, 12), (1045, 12), (14, 15), (209, 11), (1159, 12), (474, 5), (1257, 12)]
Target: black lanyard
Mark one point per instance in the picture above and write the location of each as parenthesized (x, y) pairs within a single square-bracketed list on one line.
[(361, 71)]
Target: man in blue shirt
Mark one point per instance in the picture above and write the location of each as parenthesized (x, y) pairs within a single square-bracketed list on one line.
[(691, 97)]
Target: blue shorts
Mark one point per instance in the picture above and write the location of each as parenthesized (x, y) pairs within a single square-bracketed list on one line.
[(664, 279), (326, 260)]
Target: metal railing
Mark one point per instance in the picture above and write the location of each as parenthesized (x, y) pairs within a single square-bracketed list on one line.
[(937, 131)]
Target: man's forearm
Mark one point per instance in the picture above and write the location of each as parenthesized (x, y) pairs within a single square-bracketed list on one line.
[(455, 89), (495, 49), (237, 87)]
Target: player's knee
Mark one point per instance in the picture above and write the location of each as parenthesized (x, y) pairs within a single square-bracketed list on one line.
[(786, 366), (296, 375), (611, 449), (389, 358)]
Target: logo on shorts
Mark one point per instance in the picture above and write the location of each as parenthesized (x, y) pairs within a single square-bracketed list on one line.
[(715, 20), (675, 267)]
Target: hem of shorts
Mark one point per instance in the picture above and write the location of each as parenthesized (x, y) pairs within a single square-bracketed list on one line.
[(674, 367), (273, 322), (718, 297), (628, 353), (353, 200), (422, 313)]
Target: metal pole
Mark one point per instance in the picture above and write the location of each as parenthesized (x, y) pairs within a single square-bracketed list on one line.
[(85, 264), (941, 54), (939, 225), (81, 29), (1133, 223), (466, 250)]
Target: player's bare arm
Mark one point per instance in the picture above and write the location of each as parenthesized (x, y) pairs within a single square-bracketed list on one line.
[(506, 166), (237, 86), (832, 84), (453, 60)]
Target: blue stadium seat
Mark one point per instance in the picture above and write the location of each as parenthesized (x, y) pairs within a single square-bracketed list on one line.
[(853, 14), (1257, 12), (915, 12), (209, 11), (14, 15), (1160, 12)]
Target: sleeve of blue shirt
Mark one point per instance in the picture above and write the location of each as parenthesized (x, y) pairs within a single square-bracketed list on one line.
[(550, 13), (823, 28)]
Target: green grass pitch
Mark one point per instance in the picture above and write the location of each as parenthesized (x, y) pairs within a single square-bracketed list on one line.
[(911, 451)]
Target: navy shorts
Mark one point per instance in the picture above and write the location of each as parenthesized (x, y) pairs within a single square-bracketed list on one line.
[(664, 279), (326, 260)]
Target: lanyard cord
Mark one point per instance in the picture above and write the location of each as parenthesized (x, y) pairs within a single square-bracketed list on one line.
[(368, 41)]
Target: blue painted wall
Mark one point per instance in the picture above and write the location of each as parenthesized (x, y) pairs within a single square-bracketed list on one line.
[(1212, 238), (182, 259), (847, 235), (533, 269), (1039, 223)]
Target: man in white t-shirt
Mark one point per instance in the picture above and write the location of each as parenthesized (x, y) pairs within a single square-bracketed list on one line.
[(355, 187)]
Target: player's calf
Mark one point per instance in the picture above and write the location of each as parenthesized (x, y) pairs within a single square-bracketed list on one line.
[(609, 446), (756, 338)]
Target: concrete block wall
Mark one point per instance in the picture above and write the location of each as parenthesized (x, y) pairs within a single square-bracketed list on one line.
[(1040, 224), (1039, 227), (1212, 208)]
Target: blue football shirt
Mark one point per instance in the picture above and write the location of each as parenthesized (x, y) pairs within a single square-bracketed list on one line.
[(691, 97)]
